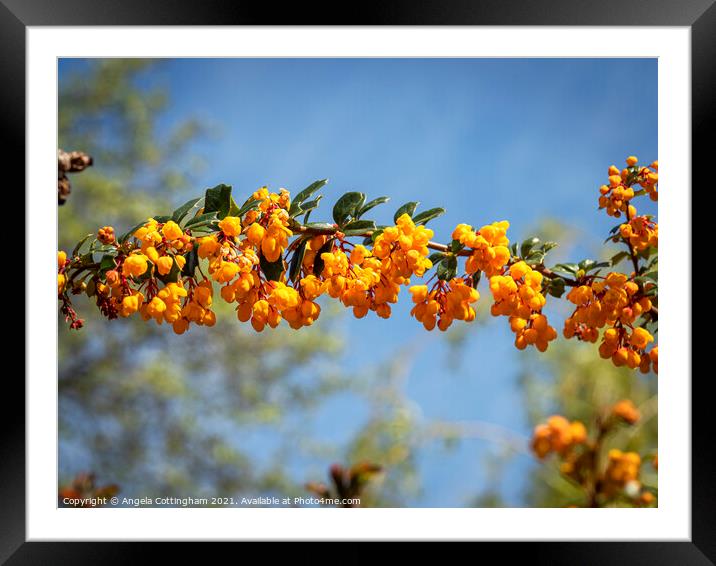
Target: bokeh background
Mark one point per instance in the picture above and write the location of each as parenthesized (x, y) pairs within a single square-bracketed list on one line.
[(228, 412)]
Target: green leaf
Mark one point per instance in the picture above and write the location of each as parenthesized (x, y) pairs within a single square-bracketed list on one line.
[(456, 246), (346, 206), (556, 287), (202, 219), (179, 214), (162, 218), (356, 227), (652, 292), (308, 191), (272, 269), (205, 229), (306, 207), (590, 264), (251, 204), (124, 237), (318, 262), (447, 268), (646, 252), (77, 248), (370, 205), (428, 215), (547, 246), (295, 210), (310, 205), (566, 268), (527, 246), (535, 257), (107, 262), (87, 259), (437, 257), (321, 226), (618, 258), (101, 248), (234, 209), (218, 199), (476, 278), (408, 208), (294, 268), (192, 262)]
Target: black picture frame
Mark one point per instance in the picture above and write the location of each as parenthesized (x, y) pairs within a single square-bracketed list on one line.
[(16, 15)]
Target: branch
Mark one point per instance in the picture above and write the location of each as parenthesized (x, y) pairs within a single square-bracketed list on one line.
[(334, 231), (632, 253), (72, 162)]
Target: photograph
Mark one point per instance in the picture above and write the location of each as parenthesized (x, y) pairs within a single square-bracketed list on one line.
[(358, 282)]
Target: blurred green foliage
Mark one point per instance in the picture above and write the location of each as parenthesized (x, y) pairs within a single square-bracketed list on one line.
[(571, 380), (109, 112)]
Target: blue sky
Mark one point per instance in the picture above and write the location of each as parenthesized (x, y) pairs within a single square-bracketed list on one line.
[(488, 139)]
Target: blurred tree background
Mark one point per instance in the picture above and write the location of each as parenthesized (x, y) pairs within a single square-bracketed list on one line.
[(185, 416), (571, 380)]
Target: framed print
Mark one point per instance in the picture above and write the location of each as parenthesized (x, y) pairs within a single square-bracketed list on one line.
[(388, 279)]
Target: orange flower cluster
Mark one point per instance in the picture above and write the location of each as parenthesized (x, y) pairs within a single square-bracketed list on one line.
[(626, 411), (616, 195), (235, 263), (106, 235), (354, 279), (489, 244), (61, 279), (159, 252), (614, 302), (362, 279), (557, 435), (196, 307), (368, 280), (268, 225), (580, 457), (518, 295), (648, 179), (641, 232), (622, 468), (444, 303), (403, 250)]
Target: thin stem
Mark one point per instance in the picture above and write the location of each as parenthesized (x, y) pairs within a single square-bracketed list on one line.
[(595, 448), (632, 253)]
